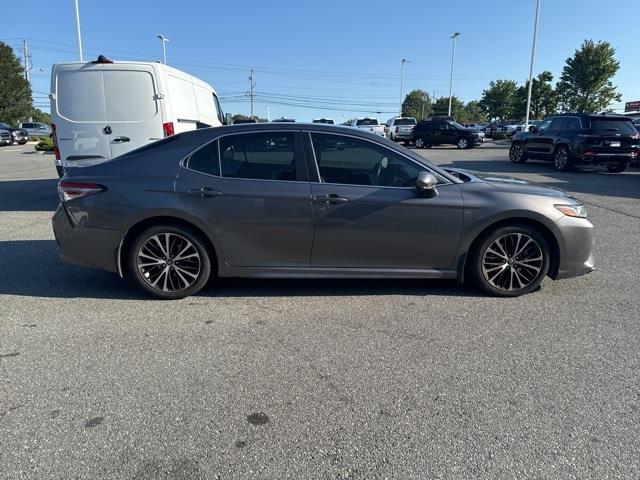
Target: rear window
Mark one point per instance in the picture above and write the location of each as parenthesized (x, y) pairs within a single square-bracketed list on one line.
[(129, 95), (205, 159), (366, 122), (79, 96), (405, 121), (612, 126)]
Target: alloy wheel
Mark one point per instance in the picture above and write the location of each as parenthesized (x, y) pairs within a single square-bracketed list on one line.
[(419, 143), (561, 159), (462, 143), (515, 154), (169, 262), (512, 262)]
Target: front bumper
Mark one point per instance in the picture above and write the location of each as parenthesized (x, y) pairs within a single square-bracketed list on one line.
[(86, 246), (576, 248)]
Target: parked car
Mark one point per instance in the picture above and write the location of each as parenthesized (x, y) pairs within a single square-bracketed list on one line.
[(18, 135), (327, 121), (36, 129), (479, 130), (284, 120), (399, 128), (368, 125), (579, 139), (5, 137), (311, 201), (140, 102), (636, 123), (436, 132)]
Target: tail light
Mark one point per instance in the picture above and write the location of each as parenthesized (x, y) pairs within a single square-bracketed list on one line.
[(54, 137), (587, 152), (70, 190), (167, 129)]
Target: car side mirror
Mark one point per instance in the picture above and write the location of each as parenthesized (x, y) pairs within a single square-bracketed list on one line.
[(427, 182), (533, 128)]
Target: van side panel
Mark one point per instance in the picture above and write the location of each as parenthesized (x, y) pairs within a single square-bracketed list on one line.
[(183, 103)]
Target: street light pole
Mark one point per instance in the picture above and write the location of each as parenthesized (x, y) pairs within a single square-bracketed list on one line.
[(404, 60), (533, 56), (163, 40), (78, 31), (453, 59)]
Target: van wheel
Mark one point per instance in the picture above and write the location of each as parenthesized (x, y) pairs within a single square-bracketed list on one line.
[(169, 262), (561, 159), (510, 261), (463, 143)]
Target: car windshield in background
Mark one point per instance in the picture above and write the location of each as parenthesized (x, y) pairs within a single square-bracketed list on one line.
[(366, 121), (4, 125), (458, 126), (612, 126), (405, 121)]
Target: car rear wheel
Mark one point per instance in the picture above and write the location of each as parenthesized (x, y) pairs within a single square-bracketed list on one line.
[(516, 153), (419, 142), (619, 168), (561, 160), (169, 262), (510, 261), (463, 143)]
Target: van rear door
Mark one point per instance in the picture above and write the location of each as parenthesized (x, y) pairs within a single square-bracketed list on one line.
[(132, 107), (79, 113)]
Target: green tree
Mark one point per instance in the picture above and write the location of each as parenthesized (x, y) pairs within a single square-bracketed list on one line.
[(498, 100), (15, 91), (585, 84), (544, 98), (40, 116), (474, 111), (417, 104), (441, 108)]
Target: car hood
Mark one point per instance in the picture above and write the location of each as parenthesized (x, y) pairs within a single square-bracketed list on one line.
[(512, 184)]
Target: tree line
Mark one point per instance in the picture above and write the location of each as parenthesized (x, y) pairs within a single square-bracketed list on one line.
[(585, 85)]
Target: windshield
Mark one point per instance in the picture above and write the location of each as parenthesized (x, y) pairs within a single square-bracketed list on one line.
[(367, 121), (405, 121), (612, 126), (4, 125)]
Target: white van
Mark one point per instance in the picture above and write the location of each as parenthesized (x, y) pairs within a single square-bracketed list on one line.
[(103, 109)]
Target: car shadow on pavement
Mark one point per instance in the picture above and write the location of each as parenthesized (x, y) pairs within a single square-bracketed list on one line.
[(29, 195), (590, 181), (35, 270)]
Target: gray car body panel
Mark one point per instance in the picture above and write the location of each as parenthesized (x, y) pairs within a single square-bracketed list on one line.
[(265, 228)]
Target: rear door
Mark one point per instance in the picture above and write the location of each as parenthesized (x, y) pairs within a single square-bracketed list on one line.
[(79, 113), (132, 110)]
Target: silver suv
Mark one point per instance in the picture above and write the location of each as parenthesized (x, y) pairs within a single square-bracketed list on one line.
[(399, 128)]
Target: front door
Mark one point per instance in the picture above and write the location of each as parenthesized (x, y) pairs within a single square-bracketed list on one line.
[(369, 214), (254, 195), (133, 113), (541, 143)]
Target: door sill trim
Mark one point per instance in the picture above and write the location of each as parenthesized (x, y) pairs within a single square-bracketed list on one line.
[(333, 272)]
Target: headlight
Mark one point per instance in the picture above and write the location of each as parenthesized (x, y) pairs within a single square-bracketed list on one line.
[(578, 211)]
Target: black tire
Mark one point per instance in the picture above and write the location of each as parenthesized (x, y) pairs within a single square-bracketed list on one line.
[(60, 171), (463, 143), (562, 159), (495, 278), (517, 153), (406, 143), (172, 271), (22, 143), (419, 142), (619, 168)]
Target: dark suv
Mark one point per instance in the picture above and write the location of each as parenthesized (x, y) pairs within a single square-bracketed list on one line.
[(18, 135), (579, 139), (438, 132)]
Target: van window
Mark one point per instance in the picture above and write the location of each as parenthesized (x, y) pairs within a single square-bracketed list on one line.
[(182, 99), (80, 96), (206, 107), (219, 109), (129, 95)]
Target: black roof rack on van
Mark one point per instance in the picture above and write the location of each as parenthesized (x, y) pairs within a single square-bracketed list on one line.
[(102, 59)]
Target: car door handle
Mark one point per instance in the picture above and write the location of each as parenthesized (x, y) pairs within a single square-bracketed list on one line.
[(332, 198), (121, 139), (204, 192)]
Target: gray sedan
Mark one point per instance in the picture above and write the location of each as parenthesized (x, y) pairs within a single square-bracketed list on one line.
[(311, 201)]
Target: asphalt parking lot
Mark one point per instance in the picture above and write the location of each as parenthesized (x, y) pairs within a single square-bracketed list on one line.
[(318, 379)]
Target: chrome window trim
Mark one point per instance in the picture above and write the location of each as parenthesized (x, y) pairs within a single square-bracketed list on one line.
[(418, 164)]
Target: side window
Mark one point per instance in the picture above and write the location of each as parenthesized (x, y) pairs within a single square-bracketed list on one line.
[(351, 161), (259, 156), (545, 124), (206, 160), (572, 124), (556, 124)]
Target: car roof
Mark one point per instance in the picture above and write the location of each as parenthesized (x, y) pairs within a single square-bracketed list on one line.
[(611, 116)]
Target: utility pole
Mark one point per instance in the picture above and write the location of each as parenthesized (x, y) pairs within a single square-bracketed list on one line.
[(453, 59), (268, 113), (252, 84), (25, 57), (78, 32), (404, 60), (533, 56), (164, 40)]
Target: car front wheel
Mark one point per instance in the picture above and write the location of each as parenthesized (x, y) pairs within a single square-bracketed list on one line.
[(419, 142), (510, 261), (463, 143), (516, 153), (169, 262)]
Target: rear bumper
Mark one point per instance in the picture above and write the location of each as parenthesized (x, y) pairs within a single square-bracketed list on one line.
[(86, 246), (597, 158), (576, 248)]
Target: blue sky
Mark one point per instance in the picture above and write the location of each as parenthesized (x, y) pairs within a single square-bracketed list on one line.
[(341, 55)]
